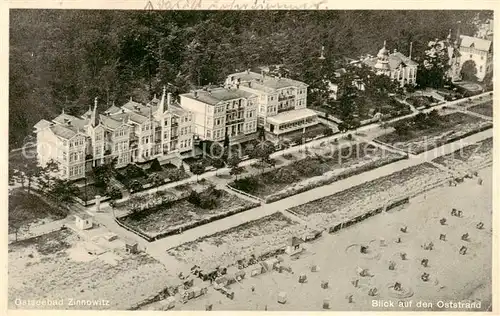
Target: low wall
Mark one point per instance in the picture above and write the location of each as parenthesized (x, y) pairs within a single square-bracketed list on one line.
[(174, 231), (262, 201)]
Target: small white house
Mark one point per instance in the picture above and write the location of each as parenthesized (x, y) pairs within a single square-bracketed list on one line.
[(83, 221)]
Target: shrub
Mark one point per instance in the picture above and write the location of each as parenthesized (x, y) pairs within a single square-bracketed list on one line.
[(248, 185), (208, 199), (114, 193), (155, 166)]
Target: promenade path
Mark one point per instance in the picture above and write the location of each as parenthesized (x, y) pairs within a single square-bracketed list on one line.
[(160, 246)]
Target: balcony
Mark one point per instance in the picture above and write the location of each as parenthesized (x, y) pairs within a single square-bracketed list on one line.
[(234, 121), (286, 109), (285, 97)]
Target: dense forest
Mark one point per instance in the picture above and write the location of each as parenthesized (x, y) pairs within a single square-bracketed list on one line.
[(65, 58)]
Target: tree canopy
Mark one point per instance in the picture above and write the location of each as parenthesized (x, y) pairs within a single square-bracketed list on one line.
[(65, 58)]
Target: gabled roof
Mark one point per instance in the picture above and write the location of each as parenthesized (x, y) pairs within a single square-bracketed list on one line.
[(42, 124), (397, 58), (87, 114), (176, 109), (63, 131), (113, 109), (132, 105), (477, 43), (109, 122), (64, 118), (137, 118)]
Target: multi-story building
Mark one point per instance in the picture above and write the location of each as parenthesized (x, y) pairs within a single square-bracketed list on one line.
[(281, 102), (134, 132), (222, 111), (478, 52), (395, 65)]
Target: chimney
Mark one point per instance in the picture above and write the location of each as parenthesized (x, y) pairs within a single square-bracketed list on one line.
[(248, 71), (196, 94), (169, 98)]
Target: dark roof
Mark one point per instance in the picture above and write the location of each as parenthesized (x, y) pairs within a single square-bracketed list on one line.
[(217, 95)]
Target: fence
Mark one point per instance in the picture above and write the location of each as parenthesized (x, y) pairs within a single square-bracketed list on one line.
[(29, 236), (262, 201)]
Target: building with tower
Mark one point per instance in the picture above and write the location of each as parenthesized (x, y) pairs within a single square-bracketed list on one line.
[(395, 65), (134, 132)]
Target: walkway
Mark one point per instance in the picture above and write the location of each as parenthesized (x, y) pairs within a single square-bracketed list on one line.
[(314, 194)]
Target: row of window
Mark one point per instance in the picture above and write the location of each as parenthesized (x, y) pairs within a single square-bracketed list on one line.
[(185, 143), (123, 159), (121, 146), (147, 139), (121, 132), (78, 156), (185, 130), (251, 126), (76, 171), (76, 142)]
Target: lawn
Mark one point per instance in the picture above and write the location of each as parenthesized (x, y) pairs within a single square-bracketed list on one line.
[(27, 208), (224, 248), (368, 196), (159, 221), (133, 173), (327, 165), (485, 108), (58, 266), (419, 138)]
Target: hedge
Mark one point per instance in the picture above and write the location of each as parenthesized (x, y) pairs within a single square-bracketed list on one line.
[(349, 173)]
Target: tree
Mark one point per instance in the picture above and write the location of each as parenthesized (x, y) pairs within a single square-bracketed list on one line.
[(103, 173), (236, 171), (47, 175), (29, 171), (469, 71), (197, 169), (136, 203), (63, 191), (263, 151), (233, 162), (218, 163), (113, 193), (19, 220), (226, 142), (134, 186), (155, 180)]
